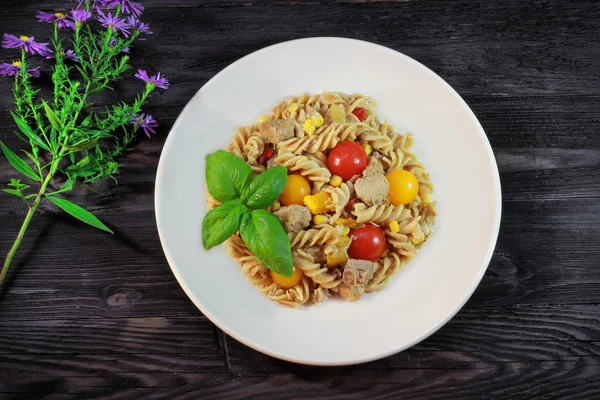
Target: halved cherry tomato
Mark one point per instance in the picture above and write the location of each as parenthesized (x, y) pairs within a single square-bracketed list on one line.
[(294, 191), (347, 159), (368, 243), (350, 204), (266, 155), (360, 113), (288, 282)]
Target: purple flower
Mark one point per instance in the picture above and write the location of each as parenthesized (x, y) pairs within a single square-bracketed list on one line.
[(157, 80), (28, 43), (146, 122), (113, 43), (59, 18), (70, 54), (127, 6), (14, 69), (113, 22), (80, 15), (138, 25)]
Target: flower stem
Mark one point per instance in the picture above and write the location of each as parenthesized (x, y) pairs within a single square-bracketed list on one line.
[(25, 225)]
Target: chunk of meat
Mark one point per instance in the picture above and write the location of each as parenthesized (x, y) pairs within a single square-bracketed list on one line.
[(317, 253), (372, 189), (294, 218), (351, 293), (320, 294), (373, 168), (277, 130), (355, 277), (357, 272)]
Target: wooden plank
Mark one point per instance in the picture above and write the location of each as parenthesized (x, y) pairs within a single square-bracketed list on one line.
[(485, 57), (562, 379)]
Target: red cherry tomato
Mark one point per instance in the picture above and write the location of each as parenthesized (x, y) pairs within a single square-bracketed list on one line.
[(368, 243), (350, 204), (360, 113), (266, 155), (347, 159)]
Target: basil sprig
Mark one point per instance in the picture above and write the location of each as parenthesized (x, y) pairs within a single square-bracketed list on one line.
[(229, 180)]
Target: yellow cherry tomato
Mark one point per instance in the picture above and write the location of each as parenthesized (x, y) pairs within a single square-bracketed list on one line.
[(285, 282), (294, 191), (404, 187)]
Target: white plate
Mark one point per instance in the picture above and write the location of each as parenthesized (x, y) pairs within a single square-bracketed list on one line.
[(425, 293)]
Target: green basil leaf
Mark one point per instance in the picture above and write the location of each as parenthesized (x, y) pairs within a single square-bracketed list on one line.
[(226, 175), (264, 235), (220, 223), (24, 127), (78, 212), (19, 164), (266, 187)]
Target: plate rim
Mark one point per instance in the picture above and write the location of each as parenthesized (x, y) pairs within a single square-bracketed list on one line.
[(262, 349)]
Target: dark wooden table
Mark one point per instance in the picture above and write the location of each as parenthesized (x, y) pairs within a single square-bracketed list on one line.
[(89, 315)]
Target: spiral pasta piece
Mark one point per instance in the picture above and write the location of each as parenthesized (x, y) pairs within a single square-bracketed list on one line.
[(323, 276), (292, 297), (384, 269), (385, 213), (311, 169), (338, 198), (379, 142), (254, 148), (400, 244), (311, 237), (326, 137)]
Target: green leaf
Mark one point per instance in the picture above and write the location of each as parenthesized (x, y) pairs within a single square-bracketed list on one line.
[(13, 191), (266, 187), (222, 222), (87, 122), (82, 72), (52, 117), (226, 175), (19, 164), (83, 145), (33, 158), (80, 213), (24, 127), (264, 235)]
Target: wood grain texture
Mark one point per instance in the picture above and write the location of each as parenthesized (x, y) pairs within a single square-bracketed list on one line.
[(87, 315)]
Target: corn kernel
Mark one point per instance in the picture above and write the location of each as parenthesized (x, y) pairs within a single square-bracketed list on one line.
[(265, 118), (346, 231), (293, 108), (316, 202), (317, 120), (309, 127), (368, 148), (320, 219), (426, 198), (417, 240), (276, 206), (335, 181), (349, 222), (394, 227)]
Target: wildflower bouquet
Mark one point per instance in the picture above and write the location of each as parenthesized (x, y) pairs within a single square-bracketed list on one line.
[(69, 140)]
